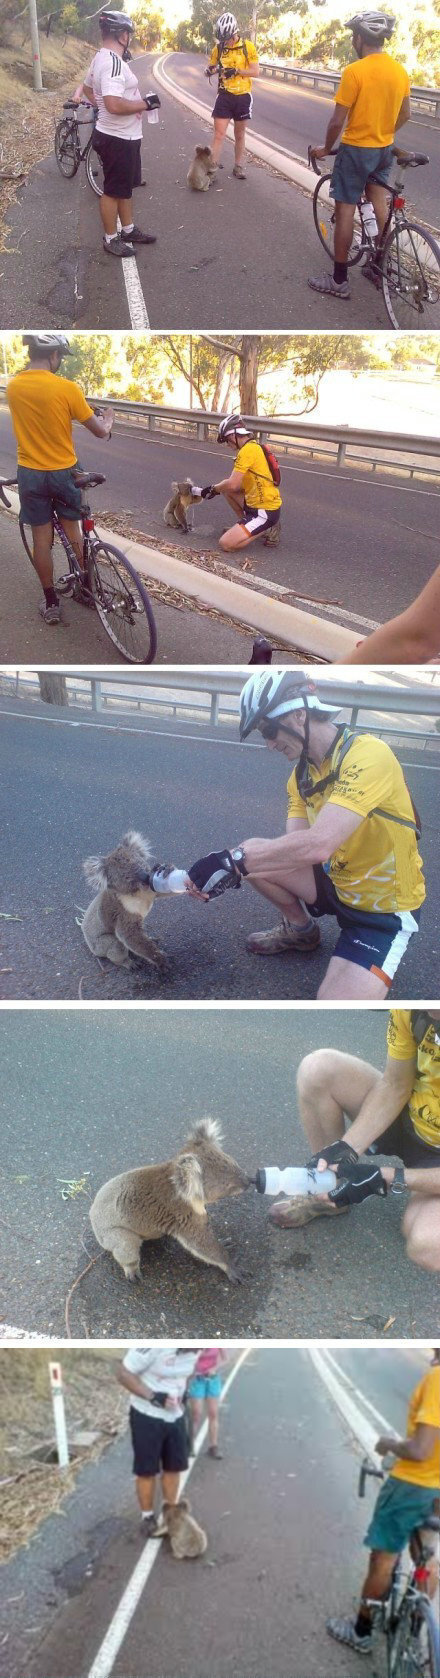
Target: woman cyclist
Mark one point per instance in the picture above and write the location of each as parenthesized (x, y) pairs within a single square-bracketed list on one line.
[(236, 62)]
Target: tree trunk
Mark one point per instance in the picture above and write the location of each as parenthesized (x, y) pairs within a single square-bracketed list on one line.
[(254, 21), (224, 359), (53, 689), (249, 363)]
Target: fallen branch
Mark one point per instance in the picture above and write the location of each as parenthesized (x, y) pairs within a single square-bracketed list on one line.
[(73, 1290)]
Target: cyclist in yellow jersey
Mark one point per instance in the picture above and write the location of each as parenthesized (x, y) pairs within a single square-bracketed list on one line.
[(250, 489), (43, 407), (351, 847), (372, 103), (236, 61), (408, 1498)]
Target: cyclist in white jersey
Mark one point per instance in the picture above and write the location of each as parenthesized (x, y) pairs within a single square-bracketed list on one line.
[(111, 85)]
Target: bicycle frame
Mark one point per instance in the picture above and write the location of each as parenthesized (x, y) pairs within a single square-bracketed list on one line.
[(388, 1611), (75, 126)]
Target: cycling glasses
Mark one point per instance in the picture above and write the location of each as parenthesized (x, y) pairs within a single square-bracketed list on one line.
[(269, 730)]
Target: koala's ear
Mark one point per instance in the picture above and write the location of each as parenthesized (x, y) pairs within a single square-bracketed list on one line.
[(187, 1179), (184, 1503), (165, 1507), (93, 868)]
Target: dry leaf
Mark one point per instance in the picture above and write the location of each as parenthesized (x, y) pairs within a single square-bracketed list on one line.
[(388, 1324)]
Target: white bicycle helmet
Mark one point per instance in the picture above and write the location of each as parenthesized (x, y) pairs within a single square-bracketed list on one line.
[(232, 426), (115, 23), (374, 27), (271, 694), (47, 341), (226, 27)]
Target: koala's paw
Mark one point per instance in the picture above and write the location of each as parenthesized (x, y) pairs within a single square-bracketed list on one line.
[(234, 1276)]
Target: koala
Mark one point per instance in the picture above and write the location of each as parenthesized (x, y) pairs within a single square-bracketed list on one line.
[(187, 1539), (176, 508), (112, 924), (170, 1199), (201, 169)]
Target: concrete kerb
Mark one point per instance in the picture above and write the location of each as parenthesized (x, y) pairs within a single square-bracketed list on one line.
[(301, 631), (291, 167)]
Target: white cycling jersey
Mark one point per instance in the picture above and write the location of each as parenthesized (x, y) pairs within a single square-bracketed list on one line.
[(109, 75)]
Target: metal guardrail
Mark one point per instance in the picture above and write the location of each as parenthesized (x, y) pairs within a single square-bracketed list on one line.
[(426, 97), (291, 433)]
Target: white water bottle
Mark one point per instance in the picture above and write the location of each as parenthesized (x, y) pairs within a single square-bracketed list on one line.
[(165, 881), (369, 219), (294, 1180)]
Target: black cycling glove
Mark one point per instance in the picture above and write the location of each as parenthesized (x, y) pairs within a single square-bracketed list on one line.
[(226, 74), (335, 1152), (357, 1183), (208, 492), (215, 873)]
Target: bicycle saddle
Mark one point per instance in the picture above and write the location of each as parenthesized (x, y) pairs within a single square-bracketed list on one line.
[(88, 480), (411, 159), (432, 1523)]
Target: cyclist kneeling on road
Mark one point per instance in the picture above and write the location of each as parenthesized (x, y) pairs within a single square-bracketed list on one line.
[(374, 95), (43, 407), (251, 490), (111, 85), (236, 61), (408, 1498)]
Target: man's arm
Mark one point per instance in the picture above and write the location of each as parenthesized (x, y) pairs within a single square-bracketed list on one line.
[(332, 828), (411, 637), (381, 1106), (404, 113), (86, 92), (100, 424), (422, 1181), (235, 482), (337, 122), (133, 1383), (416, 1449), (122, 107)]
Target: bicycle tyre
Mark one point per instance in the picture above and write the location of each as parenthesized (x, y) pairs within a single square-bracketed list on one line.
[(410, 1657), (94, 171), (66, 148), (119, 572), (419, 317), (323, 214), (63, 567)]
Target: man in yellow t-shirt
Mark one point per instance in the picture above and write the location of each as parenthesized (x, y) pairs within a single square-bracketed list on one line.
[(372, 103), (236, 62), (351, 847), (409, 1498), (42, 408), (251, 489)]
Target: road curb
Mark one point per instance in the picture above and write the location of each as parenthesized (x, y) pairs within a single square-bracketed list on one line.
[(300, 631), (291, 167), (363, 1431)]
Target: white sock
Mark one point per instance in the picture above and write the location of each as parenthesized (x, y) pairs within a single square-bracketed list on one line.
[(109, 238), (126, 230), (147, 1515)]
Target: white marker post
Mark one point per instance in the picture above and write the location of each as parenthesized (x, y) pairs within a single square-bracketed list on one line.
[(35, 42), (56, 1386)]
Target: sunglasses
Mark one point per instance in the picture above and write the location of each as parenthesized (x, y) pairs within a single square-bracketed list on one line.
[(269, 730)]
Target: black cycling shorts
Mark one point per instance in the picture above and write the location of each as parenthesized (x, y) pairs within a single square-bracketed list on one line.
[(158, 1445), (257, 520), (369, 939), (120, 161), (236, 106), (402, 1139)]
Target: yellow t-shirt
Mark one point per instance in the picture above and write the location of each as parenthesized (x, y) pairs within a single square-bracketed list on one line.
[(234, 58), (379, 867), (258, 484), (424, 1102), (42, 406), (373, 88), (424, 1409)]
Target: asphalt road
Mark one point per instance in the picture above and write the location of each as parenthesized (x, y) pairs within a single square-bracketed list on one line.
[(259, 1599), (92, 1093), (296, 117), (359, 547), (73, 785), (239, 254)]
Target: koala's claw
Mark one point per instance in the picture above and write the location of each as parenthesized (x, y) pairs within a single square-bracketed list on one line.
[(235, 1277)]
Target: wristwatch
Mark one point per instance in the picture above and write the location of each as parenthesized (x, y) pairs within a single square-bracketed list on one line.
[(238, 857), (398, 1185)]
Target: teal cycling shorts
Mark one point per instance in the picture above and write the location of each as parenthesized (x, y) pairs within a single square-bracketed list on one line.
[(400, 1507), (354, 166), (42, 493)]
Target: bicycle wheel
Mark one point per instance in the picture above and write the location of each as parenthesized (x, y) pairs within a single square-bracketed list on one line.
[(411, 278), (63, 567), (94, 171), (324, 216), (415, 1645), (66, 147), (123, 604)]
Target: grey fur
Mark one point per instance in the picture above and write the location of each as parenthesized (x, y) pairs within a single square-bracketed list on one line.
[(201, 169), (176, 508), (187, 1538), (111, 925), (169, 1199)]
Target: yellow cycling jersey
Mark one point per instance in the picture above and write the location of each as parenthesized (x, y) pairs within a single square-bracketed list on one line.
[(424, 1101), (236, 58), (379, 867), (258, 484), (423, 1411), (373, 89), (43, 406)]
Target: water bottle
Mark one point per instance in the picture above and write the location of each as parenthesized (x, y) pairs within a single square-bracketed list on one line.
[(294, 1180), (165, 881), (369, 219)]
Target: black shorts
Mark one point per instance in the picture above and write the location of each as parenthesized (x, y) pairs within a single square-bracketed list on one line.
[(237, 107), (371, 940), (120, 161), (402, 1139), (158, 1444), (257, 520)]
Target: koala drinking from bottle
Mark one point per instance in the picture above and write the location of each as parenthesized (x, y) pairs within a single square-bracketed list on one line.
[(126, 883)]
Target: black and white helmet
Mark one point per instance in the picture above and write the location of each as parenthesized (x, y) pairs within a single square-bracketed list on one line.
[(115, 23), (374, 27), (47, 341), (226, 27), (232, 426), (272, 693)]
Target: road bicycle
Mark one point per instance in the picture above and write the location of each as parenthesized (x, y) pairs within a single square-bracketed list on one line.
[(406, 1617), (406, 259), (106, 582), (69, 151)]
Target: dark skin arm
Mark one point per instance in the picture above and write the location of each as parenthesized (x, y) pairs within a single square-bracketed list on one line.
[(416, 1449), (134, 1385)]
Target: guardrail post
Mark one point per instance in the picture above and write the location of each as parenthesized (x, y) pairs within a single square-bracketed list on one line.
[(215, 702), (341, 453)]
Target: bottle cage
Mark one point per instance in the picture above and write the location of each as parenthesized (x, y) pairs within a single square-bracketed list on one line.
[(308, 789)]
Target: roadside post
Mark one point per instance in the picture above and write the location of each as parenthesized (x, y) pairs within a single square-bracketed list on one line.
[(56, 1387)]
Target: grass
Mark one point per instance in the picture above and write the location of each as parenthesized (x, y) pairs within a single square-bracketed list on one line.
[(27, 119)]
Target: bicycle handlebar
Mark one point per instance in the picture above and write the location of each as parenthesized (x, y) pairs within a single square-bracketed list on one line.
[(407, 159), (74, 104), (7, 483), (367, 1468)]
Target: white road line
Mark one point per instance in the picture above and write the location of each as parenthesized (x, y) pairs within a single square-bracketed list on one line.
[(117, 1631), (381, 1420), (359, 1425), (135, 297)]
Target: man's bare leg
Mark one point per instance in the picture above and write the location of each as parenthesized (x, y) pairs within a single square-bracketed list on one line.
[(75, 537), (42, 538), (330, 1086), (344, 222), (345, 981), (421, 1228), (297, 888)]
